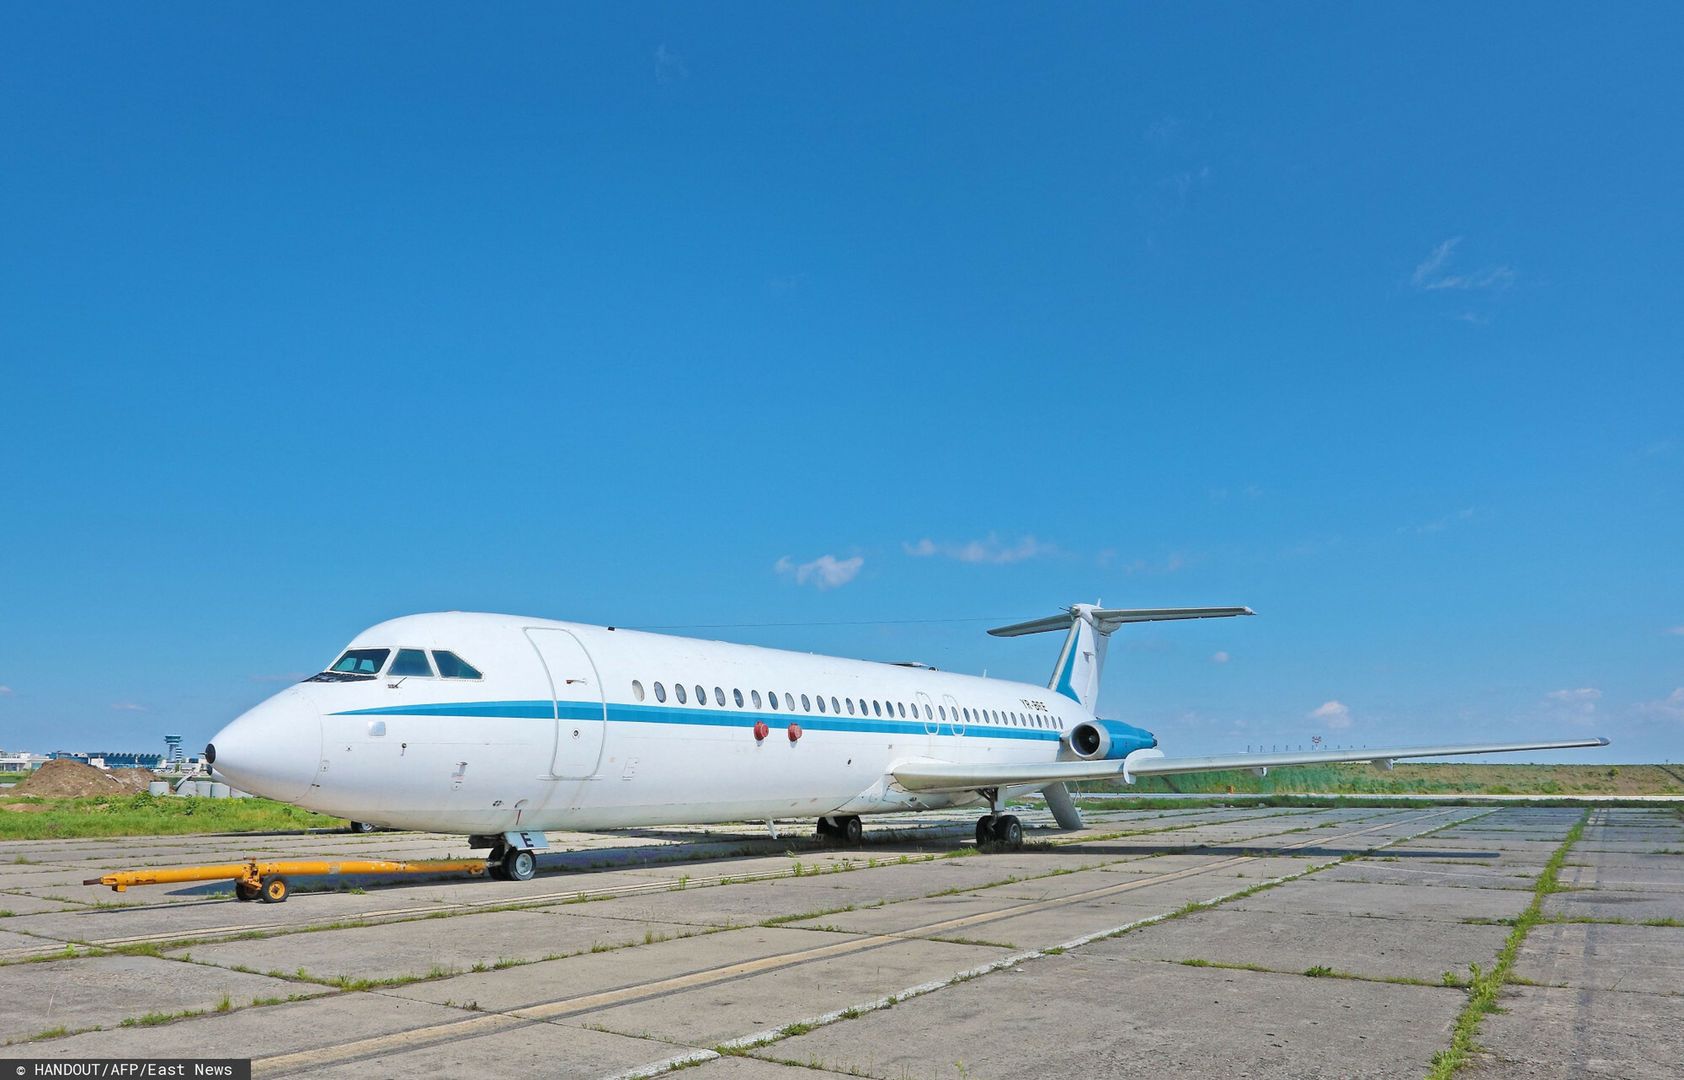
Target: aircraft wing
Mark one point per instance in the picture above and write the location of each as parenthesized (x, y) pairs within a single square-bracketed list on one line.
[(948, 776)]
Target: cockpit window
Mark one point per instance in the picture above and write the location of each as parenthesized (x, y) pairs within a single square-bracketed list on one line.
[(452, 666), (411, 662), (361, 662)]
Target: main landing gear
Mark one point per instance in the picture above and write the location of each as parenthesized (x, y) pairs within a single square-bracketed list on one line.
[(845, 829), (999, 831)]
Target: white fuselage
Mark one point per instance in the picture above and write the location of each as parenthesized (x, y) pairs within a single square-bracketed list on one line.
[(575, 726)]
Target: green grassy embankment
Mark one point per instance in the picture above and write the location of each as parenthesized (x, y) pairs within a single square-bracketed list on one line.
[(34, 818), (1420, 779)]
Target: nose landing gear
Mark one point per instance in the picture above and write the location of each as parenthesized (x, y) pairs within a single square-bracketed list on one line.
[(512, 864)]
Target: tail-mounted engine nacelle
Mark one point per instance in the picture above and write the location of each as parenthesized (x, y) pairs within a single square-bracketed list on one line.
[(1107, 740)]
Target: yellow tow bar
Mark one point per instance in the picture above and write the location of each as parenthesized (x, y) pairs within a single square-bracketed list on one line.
[(267, 881)]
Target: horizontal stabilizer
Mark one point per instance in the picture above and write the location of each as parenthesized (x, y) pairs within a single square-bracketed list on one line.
[(1108, 619), (946, 776)]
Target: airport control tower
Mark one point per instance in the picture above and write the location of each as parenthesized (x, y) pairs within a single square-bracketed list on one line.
[(172, 751)]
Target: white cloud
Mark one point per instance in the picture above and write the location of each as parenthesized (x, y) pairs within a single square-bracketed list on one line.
[(669, 66), (1219, 657), (286, 677), (1432, 273), (1671, 706), (824, 572), (1440, 524), (128, 706), (1163, 129), (1336, 714), (1171, 563), (990, 549), (1580, 700), (5, 691), (1677, 631)]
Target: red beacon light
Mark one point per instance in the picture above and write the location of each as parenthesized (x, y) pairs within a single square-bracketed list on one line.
[(794, 732), (761, 731)]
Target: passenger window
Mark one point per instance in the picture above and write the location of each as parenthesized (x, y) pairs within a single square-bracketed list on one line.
[(637, 690), (789, 699), (701, 695), (755, 696), (806, 704), (361, 662), (850, 703), (901, 706), (941, 712), (772, 699), (876, 708), (835, 706), (719, 696), (411, 662), (660, 693), (737, 695), (678, 692), (452, 666), (818, 699), (929, 713)]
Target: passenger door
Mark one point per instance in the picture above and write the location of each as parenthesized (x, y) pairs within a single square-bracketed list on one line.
[(955, 724), (928, 708), (581, 710)]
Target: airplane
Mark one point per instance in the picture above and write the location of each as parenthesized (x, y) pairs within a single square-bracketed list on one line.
[(501, 727)]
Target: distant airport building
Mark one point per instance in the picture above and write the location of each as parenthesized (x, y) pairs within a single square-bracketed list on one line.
[(21, 761), (111, 759)]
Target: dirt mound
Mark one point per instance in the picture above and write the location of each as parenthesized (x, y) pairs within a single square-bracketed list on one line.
[(133, 779), (70, 779)]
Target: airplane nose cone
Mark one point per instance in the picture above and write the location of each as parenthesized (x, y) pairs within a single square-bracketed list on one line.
[(272, 750)]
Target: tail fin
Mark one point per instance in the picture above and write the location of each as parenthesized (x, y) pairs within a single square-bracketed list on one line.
[(1076, 675)]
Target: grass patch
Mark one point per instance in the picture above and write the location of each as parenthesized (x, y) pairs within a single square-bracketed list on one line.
[(151, 815), (1441, 778), (1484, 986), (153, 1019)]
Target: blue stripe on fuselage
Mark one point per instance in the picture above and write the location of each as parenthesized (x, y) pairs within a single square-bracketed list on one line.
[(671, 714)]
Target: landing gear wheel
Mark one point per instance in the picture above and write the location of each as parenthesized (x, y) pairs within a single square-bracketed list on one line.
[(1008, 832), (361, 827), (246, 892), (985, 830), (274, 890), (824, 830), (853, 833), (519, 865)]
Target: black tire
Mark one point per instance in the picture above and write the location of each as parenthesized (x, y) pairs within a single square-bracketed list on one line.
[(246, 893), (274, 890), (362, 827), (853, 833), (824, 830), (519, 865), (1008, 832), (985, 830)]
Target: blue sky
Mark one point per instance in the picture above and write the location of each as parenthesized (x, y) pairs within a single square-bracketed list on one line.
[(846, 317)]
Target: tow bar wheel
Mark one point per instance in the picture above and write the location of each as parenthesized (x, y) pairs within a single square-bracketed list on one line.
[(273, 890), (244, 890)]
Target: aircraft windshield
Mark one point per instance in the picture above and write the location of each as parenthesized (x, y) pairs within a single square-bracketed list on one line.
[(361, 662)]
